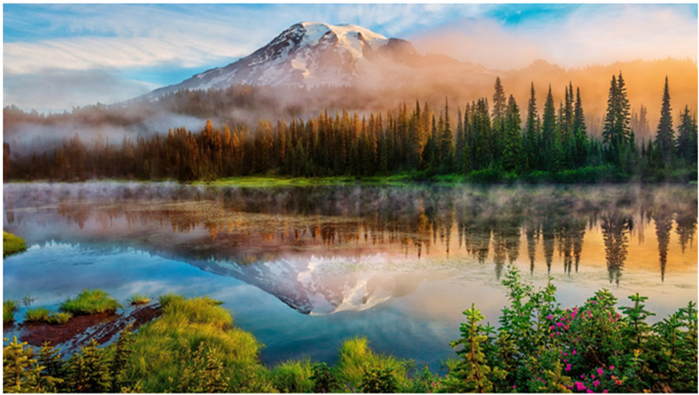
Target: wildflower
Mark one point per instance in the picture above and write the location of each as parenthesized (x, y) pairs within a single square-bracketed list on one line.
[(514, 387), (559, 324), (565, 360), (600, 371), (553, 327), (592, 375), (593, 302), (568, 367), (595, 383), (574, 352), (565, 354), (617, 382), (611, 367), (605, 391), (582, 376), (589, 391), (580, 385), (549, 317)]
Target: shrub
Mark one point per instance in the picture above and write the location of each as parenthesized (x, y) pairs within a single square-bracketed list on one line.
[(356, 358), (379, 380), (12, 244), (39, 314), (293, 376), (587, 348), (138, 299), (59, 318), (324, 381), (90, 302), (164, 350), (9, 308)]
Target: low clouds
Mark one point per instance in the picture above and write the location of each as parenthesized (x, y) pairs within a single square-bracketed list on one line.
[(590, 34), (59, 89)]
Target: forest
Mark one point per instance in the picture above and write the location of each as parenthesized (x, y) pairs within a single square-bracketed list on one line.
[(487, 141)]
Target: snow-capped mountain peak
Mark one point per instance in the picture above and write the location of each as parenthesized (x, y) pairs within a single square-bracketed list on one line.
[(306, 54)]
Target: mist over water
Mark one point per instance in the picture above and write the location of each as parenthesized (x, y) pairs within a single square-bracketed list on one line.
[(303, 268)]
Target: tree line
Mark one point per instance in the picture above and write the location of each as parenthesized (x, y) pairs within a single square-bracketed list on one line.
[(484, 137)]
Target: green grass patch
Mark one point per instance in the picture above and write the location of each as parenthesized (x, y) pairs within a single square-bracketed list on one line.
[(293, 376), (161, 347), (39, 314), (12, 244), (9, 308), (58, 318), (356, 359), (90, 302), (138, 299)]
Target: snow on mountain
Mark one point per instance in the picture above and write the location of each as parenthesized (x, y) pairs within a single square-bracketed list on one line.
[(306, 54)]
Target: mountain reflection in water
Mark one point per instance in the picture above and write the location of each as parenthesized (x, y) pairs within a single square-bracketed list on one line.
[(324, 250)]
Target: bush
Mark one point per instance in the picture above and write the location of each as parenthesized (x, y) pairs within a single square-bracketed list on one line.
[(356, 358), (12, 244), (90, 302), (9, 308), (138, 299), (191, 334), (540, 347), (39, 314), (59, 318), (293, 376)]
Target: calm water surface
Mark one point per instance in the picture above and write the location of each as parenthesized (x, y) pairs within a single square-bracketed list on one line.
[(305, 268)]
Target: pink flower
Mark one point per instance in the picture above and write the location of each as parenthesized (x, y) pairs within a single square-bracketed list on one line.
[(565, 354), (574, 352), (595, 383), (565, 360), (605, 391), (611, 367), (559, 324), (553, 327), (582, 376), (580, 385), (592, 375), (593, 302), (568, 367), (600, 371), (549, 317), (589, 391)]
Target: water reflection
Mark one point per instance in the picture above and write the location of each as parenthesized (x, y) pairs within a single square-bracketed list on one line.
[(281, 239)]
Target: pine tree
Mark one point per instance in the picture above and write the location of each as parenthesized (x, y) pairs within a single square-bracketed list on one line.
[(498, 121), (446, 143), (548, 132), (20, 370), (531, 134), (513, 137), (665, 136), (687, 137), (581, 140), (88, 371)]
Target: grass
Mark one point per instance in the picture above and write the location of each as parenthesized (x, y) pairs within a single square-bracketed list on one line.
[(39, 314), (293, 376), (160, 346), (9, 308), (356, 358), (59, 318), (12, 244), (138, 299), (90, 302)]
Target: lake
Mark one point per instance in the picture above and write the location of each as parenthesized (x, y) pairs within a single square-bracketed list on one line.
[(304, 268)]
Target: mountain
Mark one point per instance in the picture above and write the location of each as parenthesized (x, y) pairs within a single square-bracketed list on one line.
[(307, 54)]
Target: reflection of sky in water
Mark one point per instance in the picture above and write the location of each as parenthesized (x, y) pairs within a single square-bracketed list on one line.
[(396, 266)]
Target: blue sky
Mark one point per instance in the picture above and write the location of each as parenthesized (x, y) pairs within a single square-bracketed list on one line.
[(60, 56)]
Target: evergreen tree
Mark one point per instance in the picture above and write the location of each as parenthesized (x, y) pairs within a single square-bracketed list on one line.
[(513, 137), (665, 136), (687, 137), (548, 132), (531, 134), (580, 130), (87, 371), (498, 121), (446, 143)]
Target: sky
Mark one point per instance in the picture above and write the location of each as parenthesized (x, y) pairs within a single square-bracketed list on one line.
[(59, 56)]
